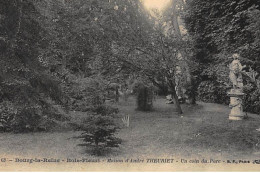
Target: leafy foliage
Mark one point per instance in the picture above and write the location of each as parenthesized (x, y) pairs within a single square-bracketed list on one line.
[(65, 53), (27, 88), (87, 93), (218, 30), (212, 92)]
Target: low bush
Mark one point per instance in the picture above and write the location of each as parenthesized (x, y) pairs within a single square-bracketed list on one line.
[(210, 91), (251, 99), (27, 108), (144, 98), (86, 93)]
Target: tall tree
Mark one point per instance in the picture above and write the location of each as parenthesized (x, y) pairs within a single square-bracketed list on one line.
[(173, 17)]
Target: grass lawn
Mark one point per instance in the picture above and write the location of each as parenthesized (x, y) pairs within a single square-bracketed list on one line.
[(203, 131)]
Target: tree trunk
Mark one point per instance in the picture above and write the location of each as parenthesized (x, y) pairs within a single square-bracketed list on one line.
[(175, 99), (170, 81), (184, 55), (176, 102), (117, 94)]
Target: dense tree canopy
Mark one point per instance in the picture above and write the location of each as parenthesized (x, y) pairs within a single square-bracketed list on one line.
[(49, 49), (219, 29), (53, 52)]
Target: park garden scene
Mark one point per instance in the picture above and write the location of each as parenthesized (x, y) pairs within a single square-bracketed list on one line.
[(130, 78)]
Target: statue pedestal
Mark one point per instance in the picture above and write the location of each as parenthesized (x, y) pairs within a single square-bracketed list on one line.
[(236, 100)]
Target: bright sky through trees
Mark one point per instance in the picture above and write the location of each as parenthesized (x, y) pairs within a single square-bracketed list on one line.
[(155, 4)]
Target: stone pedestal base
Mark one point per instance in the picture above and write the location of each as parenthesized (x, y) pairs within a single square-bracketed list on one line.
[(235, 118), (236, 96)]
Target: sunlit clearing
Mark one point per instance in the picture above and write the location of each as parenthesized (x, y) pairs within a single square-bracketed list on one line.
[(156, 4)]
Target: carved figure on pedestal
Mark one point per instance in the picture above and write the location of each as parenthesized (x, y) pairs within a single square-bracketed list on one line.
[(235, 74), (236, 94)]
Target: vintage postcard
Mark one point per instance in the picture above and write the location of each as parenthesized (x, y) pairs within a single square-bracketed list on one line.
[(129, 85)]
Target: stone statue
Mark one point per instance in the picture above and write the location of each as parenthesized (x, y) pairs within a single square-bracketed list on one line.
[(235, 74), (236, 94)]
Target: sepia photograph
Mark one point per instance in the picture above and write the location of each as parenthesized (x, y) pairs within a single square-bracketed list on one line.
[(129, 85)]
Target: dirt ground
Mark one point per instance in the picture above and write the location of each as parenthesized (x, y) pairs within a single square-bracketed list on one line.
[(203, 131)]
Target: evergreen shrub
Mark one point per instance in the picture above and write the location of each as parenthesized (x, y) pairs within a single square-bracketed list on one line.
[(144, 98)]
